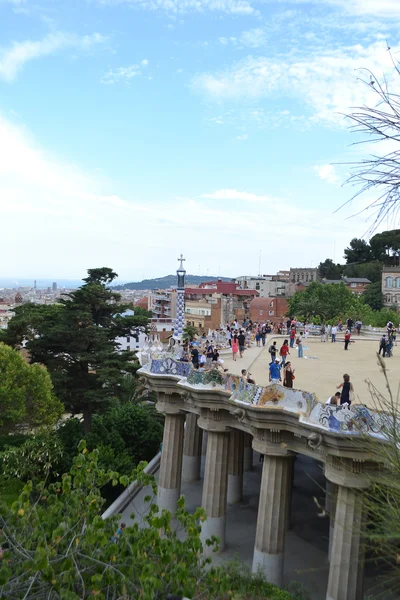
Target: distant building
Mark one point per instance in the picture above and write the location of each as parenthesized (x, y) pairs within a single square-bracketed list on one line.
[(54, 286), (265, 285), (268, 309), (301, 275), (18, 298), (391, 286)]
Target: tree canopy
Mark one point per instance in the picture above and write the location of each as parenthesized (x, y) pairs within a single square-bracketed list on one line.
[(77, 341), (328, 269), (26, 393)]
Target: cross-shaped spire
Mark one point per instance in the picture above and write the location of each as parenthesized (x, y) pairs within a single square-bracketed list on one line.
[(181, 259)]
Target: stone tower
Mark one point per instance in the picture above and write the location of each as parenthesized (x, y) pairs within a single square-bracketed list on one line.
[(180, 301)]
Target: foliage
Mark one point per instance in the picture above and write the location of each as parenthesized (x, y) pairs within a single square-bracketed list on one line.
[(26, 394), (56, 545), (76, 340), (328, 269), (359, 251), (34, 460), (373, 295), (370, 270), (10, 490), (189, 333)]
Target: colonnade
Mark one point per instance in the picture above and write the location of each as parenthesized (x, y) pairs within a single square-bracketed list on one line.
[(229, 452)]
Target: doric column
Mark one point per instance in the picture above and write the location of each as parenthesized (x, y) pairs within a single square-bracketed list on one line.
[(192, 449), (169, 483), (235, 466), (248, 452), (289, 494), (331, 491), (272, 517), (215, 488), (347, 556)]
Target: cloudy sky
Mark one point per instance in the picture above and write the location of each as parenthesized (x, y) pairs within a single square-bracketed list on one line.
[(134, 130)]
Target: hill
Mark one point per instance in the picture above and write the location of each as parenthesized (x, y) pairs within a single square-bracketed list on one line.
[(166, 282)]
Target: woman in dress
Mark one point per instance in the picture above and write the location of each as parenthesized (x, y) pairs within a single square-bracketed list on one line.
[(288, 375), (235, 346), (347, 389)]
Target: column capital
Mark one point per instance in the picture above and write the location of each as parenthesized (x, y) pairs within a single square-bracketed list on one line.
[(213, 420), (170, 403), (346, 472), (270, 442)]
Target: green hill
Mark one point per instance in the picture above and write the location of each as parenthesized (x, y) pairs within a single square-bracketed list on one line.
[(166, 282)]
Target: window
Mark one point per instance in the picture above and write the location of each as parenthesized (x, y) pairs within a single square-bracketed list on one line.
[(257, 286), (398, 282), (306, 276), (312, 277), (389, 282), (271, 304), (302, 276), (128, 339), (271, 313), (353, 285), (128, 348)]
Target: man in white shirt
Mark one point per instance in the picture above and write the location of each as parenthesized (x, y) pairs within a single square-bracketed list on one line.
[(334, 332)]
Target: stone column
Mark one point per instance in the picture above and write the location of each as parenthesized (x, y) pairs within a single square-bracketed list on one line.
[(192, 449), (289, 494), (331, 491), (271, 520), (215, 488), (235, 466), (347, 556), (248, 452), (169, 483)]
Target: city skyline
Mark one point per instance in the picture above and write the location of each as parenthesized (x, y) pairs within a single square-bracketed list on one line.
[(133, 130)]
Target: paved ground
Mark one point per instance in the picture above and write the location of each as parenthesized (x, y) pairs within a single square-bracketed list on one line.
[(323, 373)]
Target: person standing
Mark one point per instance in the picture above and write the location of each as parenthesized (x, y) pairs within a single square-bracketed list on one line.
[(258, 337), (263, 335), (228, 335), (275, 371), (284, 351), (210, 354), (195, 356), (389, 346), (235, 346), (347, 337), (288, 324), (306, 330), (288, 375), (382, 346), (347, 389), (299, 347), (242, 343), (322, 332), (292, 336), (272, 350), (349, 324), (334, 332)]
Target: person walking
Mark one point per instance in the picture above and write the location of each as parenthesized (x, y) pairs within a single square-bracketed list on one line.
[(292, 336), (284, 351), (389, 346), (275, 371), (334, 332), (235, 346), (347, 390), (272, 350), (350, 324), (347, 337), (288, 375), (263, 335), (228, 335), (258, 337), (242, 343), (382, 346)]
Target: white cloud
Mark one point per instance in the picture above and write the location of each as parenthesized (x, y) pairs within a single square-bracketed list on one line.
[(243, 137), (124, 73), (14, 58), (378, 8), (326, 173), (253, 38), (327, 82), (235, 7), (227, 194)]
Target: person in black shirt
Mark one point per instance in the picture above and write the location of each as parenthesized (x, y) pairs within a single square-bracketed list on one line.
[(195, 356), (242, 343)]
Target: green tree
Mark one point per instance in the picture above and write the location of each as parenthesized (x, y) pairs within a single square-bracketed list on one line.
[(57, 546), (370, 270), (373, 295), (385, 246), (332, 300), (358, 252), (328, 269), (189, 333), (311, 307), (26, 393), (76, 340)]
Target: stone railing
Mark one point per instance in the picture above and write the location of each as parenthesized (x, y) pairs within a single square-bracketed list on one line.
[(355, 419)]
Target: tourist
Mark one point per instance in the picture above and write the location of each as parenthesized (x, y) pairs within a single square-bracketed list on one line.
[(275, 371), (347, 390), (349, 324), (272, 350), (389, 327), (235, 346), (322, 332), (389, 346), (335, 400), (382, 346), (203, 360), (246, 377), (347, 337), (195, 356), (306, 330), (299, 347), (288, 324), (358, 327), (242, 343), (340, 325), (210, 353), (292, 336), (333, 333), (263, 335), (258, 337), (228, 335), (288, 375), (284, 351)]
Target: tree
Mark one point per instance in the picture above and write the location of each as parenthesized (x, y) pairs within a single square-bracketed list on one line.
[(311, 307), (57, 546), (328, 269), (329, 300), (385, 246), (373, 295), (76, 340), (26, 393), (370, 270), (189, 333), (359, 252)]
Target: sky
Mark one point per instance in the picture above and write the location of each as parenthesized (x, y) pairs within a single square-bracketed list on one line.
[(134, 130)]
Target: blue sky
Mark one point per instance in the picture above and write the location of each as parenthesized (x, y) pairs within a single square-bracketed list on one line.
[(133, 130)]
